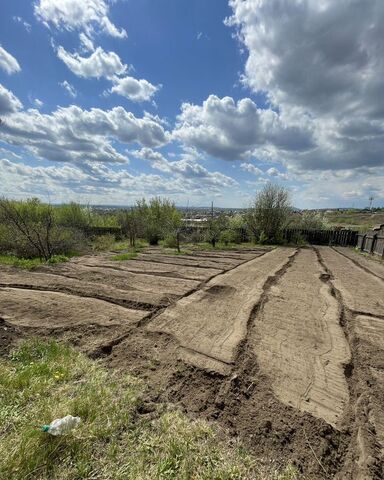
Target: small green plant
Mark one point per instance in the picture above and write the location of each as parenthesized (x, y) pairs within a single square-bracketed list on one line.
[(58, 259), (124, 256), (30, 263), (26, 263)]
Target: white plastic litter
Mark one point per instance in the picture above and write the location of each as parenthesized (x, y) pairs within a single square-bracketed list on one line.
[(61, 426)]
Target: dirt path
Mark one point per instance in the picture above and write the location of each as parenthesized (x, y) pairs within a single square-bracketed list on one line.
[(299, 343), (210, 323)]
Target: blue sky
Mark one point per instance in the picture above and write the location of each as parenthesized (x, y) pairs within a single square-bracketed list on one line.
[(109, 101)]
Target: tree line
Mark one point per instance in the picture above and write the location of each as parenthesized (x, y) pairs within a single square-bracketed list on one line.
[(31, 228)]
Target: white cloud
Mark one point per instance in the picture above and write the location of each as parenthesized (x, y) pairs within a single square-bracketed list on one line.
[(133, 89), (90, 16), (249, 167), (8, 63), (108, 65), (25, 24), (98, 183), (321, 64), (70, 89), (187, 169), (37, 102), (72, 134), (8, 102), (229, 130), (86, 43), (98, 64)]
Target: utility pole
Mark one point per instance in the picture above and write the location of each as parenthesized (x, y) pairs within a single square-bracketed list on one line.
[(371, 198)]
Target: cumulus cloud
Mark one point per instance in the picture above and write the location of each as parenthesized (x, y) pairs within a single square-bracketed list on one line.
[(108, 65), (70, 89), (229, 130), (319, 63), (98, 64), (8, 102), (8, 63), (75, 135), (133, 89), (90, 16)]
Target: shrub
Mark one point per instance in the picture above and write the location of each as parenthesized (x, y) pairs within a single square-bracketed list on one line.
[(270, 212), (103, 242), (170, 241)]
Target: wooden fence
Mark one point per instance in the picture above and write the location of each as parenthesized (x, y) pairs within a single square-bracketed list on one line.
[(322, 237), (372, 241), (290, 235)]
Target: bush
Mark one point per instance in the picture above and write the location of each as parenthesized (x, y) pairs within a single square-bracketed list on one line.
[(170, 241), (103, 242), (226, 237)]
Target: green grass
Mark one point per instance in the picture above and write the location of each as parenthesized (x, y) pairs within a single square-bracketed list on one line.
[(124, 256), (124, 245), (30, 263), (41, 381)]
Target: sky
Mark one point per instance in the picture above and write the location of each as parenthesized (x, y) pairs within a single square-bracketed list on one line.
[(108, 101)]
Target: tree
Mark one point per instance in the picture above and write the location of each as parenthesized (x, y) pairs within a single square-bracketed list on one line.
[(160, 219), (29, 222), (131, 224), (270, 213), (310, 221), (215, 228)]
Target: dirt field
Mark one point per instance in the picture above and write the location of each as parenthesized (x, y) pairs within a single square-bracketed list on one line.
[(284, 347)]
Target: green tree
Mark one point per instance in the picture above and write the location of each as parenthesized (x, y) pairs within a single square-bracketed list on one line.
[(160, 219), (30, 223), (131, 223), (215, 227), (270, 213)]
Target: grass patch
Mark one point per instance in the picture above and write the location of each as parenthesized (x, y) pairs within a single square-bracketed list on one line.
[(125, 245), (45, 380), (30, 263), (124, 256)]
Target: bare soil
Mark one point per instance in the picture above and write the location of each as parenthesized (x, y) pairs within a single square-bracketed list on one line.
[(284, 347)]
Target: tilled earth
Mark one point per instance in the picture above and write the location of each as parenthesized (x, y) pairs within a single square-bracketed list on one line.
[(283, 347)]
